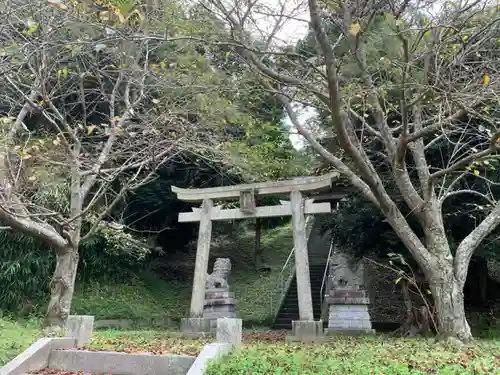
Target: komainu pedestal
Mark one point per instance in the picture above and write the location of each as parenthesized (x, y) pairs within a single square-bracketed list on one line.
[(347, 298), (219, 301)]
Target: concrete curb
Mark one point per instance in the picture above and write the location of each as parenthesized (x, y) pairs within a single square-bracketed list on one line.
[(47, 353), (36, 356), (210, 352), (120, 363)]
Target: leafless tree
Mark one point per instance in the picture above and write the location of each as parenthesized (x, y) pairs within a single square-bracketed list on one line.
[(442, 84), (88, 109)]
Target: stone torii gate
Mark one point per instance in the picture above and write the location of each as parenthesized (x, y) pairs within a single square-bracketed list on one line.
[(297, 207)]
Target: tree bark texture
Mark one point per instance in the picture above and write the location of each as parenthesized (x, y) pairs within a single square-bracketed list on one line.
[(448, 299), (62, 287)]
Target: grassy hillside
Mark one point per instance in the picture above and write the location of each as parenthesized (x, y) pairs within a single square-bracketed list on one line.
[(16, 337), (145, 297)]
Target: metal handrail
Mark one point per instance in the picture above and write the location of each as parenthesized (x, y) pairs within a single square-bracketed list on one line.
[(325, 275), (283, 281), (288, 260)]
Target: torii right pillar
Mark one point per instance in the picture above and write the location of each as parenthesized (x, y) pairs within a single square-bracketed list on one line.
[(306, 329)]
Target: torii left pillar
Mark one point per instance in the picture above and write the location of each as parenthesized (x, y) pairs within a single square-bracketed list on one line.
[(195, 323)]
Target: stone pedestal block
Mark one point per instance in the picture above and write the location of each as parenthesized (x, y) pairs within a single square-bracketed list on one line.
[(348, 311), (229, 331), (80, 327), (195, 327), (219, 303), (307, 331)]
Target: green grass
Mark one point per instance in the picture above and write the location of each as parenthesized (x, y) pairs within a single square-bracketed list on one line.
[(136, 300), (16, 337), (264, 352), (363, 356), (146, 298)]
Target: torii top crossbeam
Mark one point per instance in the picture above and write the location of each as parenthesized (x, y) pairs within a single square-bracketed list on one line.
[(302, 184)]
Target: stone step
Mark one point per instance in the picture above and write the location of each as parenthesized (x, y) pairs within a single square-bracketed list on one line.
[(295, 302), (295, 305), (290, 309), (294, 298), (289, 316), (288, 324), (315, 296)]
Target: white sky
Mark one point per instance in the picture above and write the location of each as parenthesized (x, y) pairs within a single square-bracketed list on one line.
[(296, 28), (291, 31)]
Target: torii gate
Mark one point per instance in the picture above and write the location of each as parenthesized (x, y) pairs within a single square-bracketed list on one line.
[(297, 207)]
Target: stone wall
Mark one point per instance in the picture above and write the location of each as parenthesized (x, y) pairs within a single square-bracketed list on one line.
[(386, 301)]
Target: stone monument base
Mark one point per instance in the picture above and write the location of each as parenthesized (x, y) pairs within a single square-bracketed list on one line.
[(348, 312), (219, 303), (307, 331)]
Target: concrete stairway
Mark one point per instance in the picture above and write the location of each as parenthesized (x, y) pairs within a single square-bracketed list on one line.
[(318, 247), (290, 308)]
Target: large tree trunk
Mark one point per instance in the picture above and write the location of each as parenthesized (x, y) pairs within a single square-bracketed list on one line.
[(449, 303), (62, 287)]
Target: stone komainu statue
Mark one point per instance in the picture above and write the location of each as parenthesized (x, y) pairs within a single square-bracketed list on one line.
[(219, 275), (344, 273)]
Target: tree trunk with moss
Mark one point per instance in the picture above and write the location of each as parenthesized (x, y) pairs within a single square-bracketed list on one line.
[(62, 287)]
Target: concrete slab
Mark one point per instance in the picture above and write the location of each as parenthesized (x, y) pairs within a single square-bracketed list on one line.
[(209, 353), (36, 356), (120, 363)]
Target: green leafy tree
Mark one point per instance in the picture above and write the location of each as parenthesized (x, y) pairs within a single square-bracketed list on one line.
[(93, 107), (439, 74)]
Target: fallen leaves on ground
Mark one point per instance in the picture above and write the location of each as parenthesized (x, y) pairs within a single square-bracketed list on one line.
[(252, 337), (166, 343), (154, 342), (179, 347)]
